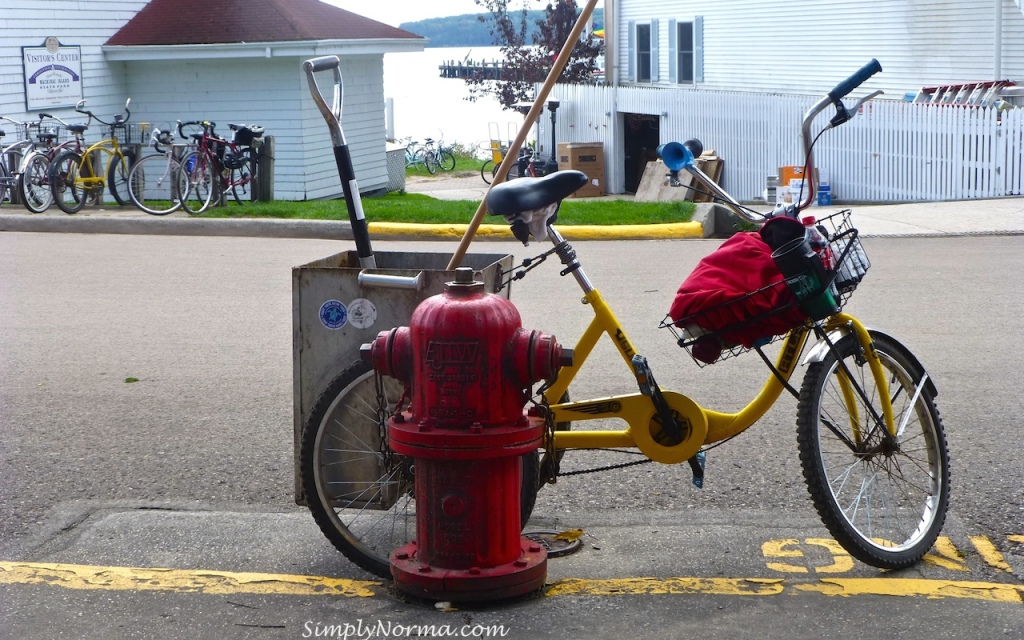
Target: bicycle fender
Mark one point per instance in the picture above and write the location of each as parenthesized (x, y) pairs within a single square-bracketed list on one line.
[(820, 349)]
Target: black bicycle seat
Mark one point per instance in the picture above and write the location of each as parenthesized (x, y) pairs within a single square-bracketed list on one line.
[(524, 194), (77, 128)]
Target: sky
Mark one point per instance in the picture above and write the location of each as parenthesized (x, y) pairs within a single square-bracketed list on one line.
[(394, 12)]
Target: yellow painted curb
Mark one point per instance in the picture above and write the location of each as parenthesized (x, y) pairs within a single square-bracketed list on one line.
[(668, 231)]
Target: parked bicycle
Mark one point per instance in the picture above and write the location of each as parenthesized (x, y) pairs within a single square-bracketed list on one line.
[(34, 184), (415, 155), (78, 177), (158, 183), (217, 165), (11, 156), (443, 156), (871, 443), (526, 165)]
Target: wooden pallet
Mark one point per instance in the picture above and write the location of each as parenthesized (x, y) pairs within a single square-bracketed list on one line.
[(653, 187), (712, 166)]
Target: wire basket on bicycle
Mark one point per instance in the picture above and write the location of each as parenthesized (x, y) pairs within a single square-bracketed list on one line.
[(715, 318)]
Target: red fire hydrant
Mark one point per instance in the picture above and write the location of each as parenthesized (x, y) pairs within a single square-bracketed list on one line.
[(470, 366)]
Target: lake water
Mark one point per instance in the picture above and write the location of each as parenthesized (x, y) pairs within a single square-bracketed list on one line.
[(429, 106)]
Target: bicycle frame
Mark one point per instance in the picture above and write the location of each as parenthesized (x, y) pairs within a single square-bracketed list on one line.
[(106, 151), (704, 426)]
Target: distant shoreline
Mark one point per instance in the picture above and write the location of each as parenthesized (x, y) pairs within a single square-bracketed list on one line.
[(472, 29)]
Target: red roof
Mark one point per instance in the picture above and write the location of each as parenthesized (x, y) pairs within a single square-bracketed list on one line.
[(170, 22)]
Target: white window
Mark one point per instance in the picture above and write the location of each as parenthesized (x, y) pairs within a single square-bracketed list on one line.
[(686, 51), (643, 51)]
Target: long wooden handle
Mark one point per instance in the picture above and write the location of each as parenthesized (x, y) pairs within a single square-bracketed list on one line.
[(513, 150)]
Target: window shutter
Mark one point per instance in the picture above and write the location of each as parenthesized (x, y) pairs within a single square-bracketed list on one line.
[(673, 52), (655, 36), (631, 50), (698, 49)]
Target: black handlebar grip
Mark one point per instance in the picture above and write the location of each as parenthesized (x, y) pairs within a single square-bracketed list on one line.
[(854, 81), (695, 146), (322, 63)]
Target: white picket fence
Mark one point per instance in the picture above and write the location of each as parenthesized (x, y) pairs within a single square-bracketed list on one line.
[(893, 152)]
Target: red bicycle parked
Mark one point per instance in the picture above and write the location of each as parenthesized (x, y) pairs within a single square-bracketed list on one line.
[(218, 165)]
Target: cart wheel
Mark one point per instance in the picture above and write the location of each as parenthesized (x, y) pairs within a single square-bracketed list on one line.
[(359, 491)]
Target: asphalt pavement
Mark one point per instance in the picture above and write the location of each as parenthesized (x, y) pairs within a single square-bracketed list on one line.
[(211, 552)]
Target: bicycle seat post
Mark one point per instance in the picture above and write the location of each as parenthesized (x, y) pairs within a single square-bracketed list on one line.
[(568, 257)]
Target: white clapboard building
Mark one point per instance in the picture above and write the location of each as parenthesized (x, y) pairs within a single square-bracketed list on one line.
[(220, 60)]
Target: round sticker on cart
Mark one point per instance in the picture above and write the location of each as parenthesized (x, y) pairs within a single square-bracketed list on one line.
[(333, 314), (362, 313)]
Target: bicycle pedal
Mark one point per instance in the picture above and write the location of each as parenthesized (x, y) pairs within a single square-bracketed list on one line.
[(697, 463), (644, 376)]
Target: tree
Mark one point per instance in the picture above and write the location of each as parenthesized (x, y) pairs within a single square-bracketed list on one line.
[(525, 65)]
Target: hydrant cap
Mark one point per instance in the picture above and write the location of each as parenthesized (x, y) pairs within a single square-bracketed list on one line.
[(464, 282)]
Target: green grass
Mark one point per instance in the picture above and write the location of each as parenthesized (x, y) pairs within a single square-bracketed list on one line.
[(418, 208)]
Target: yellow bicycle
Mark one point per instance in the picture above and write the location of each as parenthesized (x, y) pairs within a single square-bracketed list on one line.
[(871, 442), (77, 178)]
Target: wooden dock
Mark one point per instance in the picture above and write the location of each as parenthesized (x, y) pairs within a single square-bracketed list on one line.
[(464, 69)]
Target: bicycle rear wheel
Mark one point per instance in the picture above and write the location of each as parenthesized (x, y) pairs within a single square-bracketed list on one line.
[(884, 500), (446, 160), (156, 184), (487, 171), (241, 179), (203, 180), (68, 193), (117, 175), (34, 184), (359, 491)]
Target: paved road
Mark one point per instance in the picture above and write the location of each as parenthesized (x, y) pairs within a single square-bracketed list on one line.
[(189, 468)]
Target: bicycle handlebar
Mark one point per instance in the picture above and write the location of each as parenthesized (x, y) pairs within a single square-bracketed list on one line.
[(860, 77), (118, 120), (843, 114)]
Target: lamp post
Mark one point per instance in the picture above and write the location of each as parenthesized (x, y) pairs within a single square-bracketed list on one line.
[(551, 165)]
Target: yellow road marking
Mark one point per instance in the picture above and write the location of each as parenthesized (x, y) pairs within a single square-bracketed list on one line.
[(76, 576), (673, 586), (946, 555), (988, 551), (932, 589)]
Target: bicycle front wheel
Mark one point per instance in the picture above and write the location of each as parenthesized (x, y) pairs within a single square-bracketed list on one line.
[(359, 491), (487, 171), (117, 175), (67, 191), (156, 184), (5, 177), (35, 184), (430, 161), (202, 181), (883, 499)]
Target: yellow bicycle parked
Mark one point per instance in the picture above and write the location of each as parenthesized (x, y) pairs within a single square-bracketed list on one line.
[(77, 178), (871, 442)]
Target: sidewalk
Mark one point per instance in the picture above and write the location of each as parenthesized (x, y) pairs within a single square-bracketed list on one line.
[(1003, 216)]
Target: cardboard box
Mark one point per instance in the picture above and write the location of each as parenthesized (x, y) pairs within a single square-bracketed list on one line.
[(581, 156), (594, 186)]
